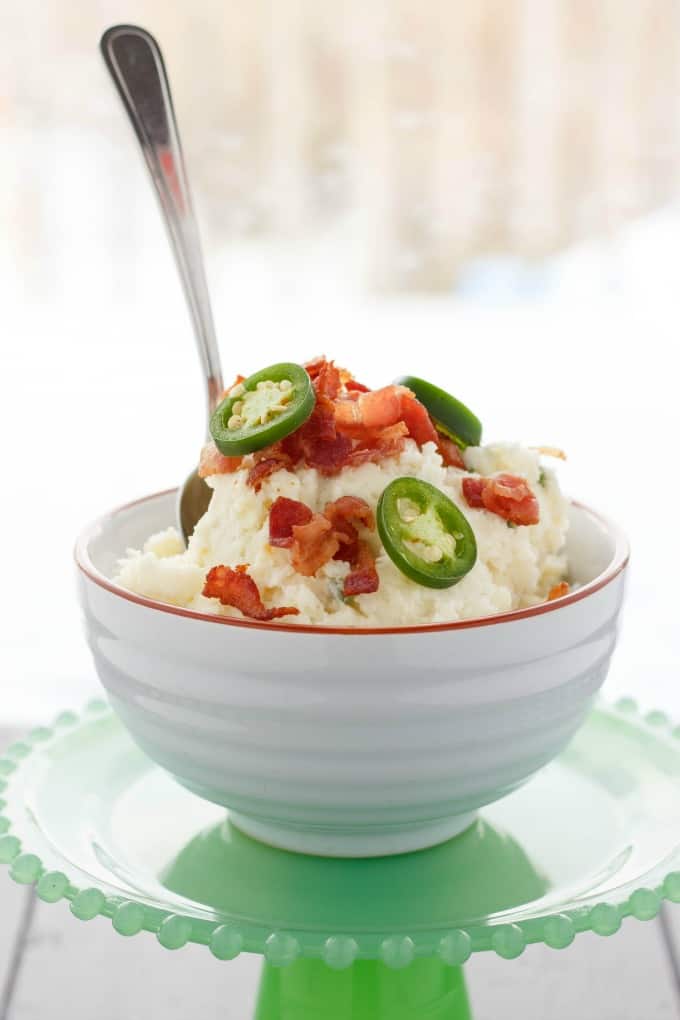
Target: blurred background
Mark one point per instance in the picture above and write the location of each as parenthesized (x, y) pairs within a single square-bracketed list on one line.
[(485, 194)]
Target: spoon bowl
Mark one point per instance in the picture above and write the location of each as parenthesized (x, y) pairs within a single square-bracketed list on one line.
[(193, 499)]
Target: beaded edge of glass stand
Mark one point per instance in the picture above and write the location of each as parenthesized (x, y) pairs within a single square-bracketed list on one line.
[(280, 948)]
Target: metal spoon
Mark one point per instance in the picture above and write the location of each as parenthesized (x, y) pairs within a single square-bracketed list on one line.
[(136, 65)]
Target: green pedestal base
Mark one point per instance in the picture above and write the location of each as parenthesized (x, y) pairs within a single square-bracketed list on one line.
[(309, 990)]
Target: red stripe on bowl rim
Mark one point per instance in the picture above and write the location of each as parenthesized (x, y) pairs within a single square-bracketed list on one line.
[(618, 563)]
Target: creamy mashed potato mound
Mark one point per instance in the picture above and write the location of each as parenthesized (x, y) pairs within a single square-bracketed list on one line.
[(516, 566)]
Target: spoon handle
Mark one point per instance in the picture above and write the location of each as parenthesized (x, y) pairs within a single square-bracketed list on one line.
[(136, 65)]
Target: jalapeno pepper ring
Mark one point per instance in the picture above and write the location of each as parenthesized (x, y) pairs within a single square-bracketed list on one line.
[(425, 534), (450, 416), (266, 407)]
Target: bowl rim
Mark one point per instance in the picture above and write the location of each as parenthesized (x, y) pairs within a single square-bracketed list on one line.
[(85, 565)]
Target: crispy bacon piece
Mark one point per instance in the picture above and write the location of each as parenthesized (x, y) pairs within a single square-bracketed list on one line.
[(314, 539), (472, 490), (237, 588), (350, 425), (328, 456), (291, 445), (314, 544), (371, 411), (506, 495), (283, 516), (267, 462), (418, 421), (326, 370), (313, 367), (344, 514), (558, 590), (390, 441), (263, 469), (363, 577), (212, 462), (510, 497), (327, 381), (350, 508), (449, 452), (379, 444), (348, 537), (378, 409), (319, 426)]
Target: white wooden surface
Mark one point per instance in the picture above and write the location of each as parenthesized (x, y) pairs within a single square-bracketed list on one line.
[(14, 916), (628, 976), (84, 970)]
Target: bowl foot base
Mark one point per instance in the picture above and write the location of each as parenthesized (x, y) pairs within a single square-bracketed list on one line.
[(331, 843)]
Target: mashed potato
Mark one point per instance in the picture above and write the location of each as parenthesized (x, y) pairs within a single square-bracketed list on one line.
[(516, 566)]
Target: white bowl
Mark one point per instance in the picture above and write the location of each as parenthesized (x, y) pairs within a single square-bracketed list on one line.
[(350, 742)]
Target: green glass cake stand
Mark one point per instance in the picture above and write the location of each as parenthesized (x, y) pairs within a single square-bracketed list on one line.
[(592, 839)]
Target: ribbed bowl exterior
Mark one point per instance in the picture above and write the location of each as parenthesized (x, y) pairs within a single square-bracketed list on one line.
[(357, 733)]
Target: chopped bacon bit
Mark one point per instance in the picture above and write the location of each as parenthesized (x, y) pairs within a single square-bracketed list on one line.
[(328, 456), (378, 409), (284, 514), (379, 444), (449, 452), (389, 441), (558, 590), (418, 421), (314, 539), (350, 425), (321, 422), (472, 490), (237, 588), (344, 514), (314, 544), (505, 495), (313, 367), (212, 462), (348, 537), (373, 410), (511, 498), (350, 509), (291, 446), (393, 435), (363, 577), (318, 366), (267, 466), (328, 382)]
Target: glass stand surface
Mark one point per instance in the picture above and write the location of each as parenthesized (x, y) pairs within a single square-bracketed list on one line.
[(594, 838)]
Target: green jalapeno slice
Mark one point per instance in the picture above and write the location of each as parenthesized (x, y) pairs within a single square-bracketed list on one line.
[(425, 534), (261, 410), (450, 416)]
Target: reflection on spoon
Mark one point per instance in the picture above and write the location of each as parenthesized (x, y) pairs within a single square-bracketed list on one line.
[(135, 62)]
